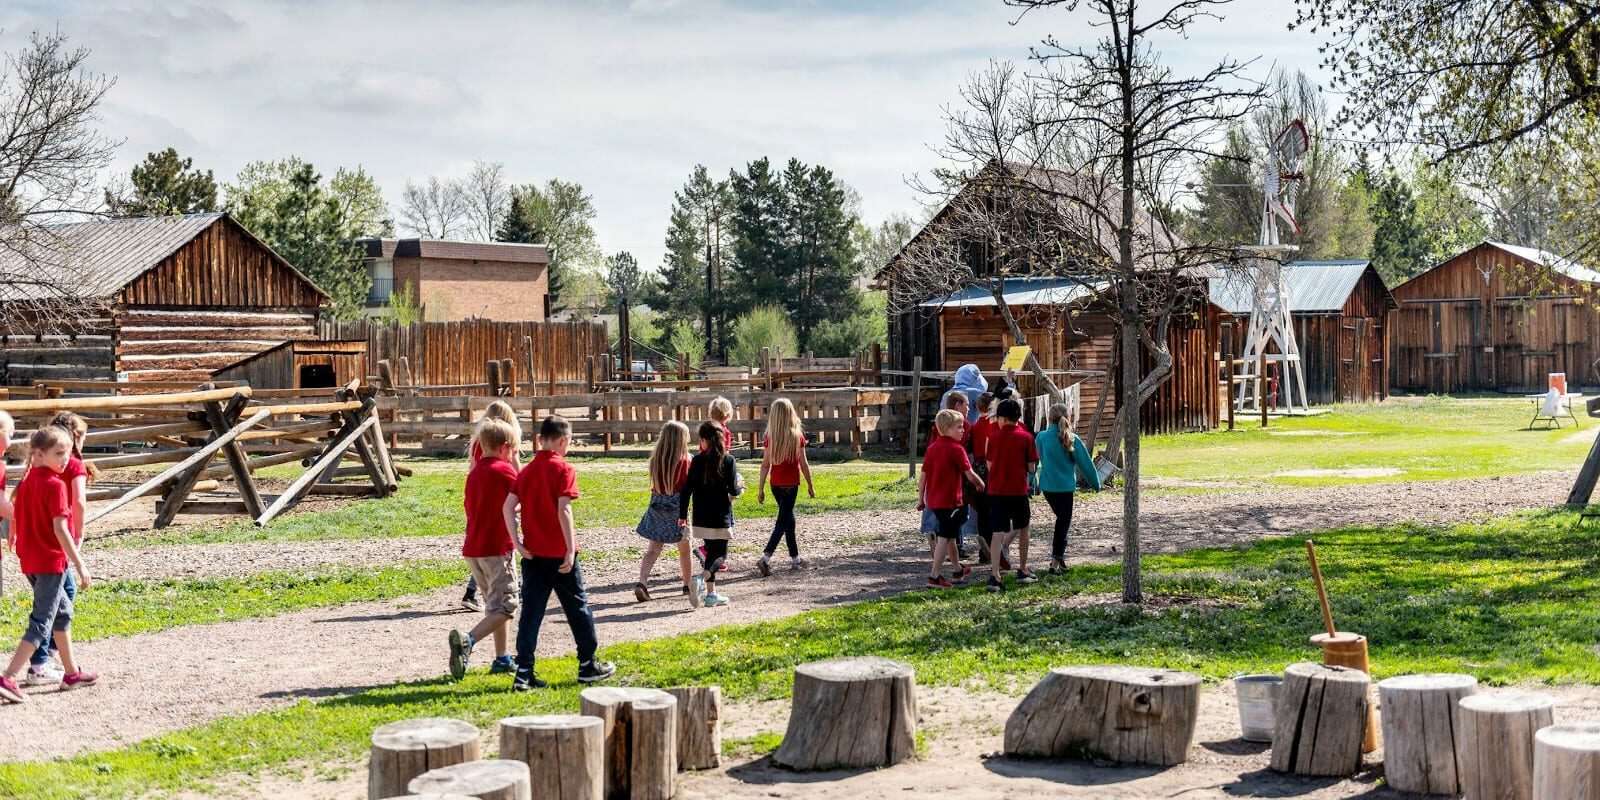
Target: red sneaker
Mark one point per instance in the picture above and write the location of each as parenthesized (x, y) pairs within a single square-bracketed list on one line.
[(965, 571), (940, 582), (80, 678), (10, 691)]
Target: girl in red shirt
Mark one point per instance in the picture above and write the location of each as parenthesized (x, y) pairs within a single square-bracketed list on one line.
[(78, 474), (784, 461), (669, 468)]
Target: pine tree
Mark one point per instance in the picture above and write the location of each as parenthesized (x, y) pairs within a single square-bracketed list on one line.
[(559, 215), (165, 184), (699, 245), (515, 227), (761, 264), (821, 256), (1399, 243)]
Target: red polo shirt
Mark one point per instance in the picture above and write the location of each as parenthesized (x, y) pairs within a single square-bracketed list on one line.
[(545, 479), (1011, 450), (943, 465), (979, 435), (41, 497), (488, 484), (788, 472)]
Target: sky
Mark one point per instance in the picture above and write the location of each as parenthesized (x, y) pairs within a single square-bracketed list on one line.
[(622, 97)]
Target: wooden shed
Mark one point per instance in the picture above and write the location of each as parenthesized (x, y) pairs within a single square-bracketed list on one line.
[(1339, 309), (304, 364), (149, 298), (1497, 317)]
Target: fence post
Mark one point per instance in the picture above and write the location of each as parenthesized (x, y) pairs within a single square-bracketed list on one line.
[(683, 367), (916, 411), (766, 366), (508, 376), (877, 361), (1261, 388), (588, 365), (491, 376)]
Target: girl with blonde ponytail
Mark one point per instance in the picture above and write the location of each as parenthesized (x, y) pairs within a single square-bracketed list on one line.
[(784, 461), (1063, 459)]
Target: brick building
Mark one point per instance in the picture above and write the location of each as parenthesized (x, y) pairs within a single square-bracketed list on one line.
[(461, 280)]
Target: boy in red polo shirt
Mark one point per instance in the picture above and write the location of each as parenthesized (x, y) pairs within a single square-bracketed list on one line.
[(1012, 456), (488, 547), (42, 536), (943, 466), (545, 490)]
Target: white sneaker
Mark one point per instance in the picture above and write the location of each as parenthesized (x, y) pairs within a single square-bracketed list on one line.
[(697, 595), (49, 673), (716, 599)]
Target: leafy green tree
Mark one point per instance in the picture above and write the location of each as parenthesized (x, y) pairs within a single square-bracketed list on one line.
[(878, 245), (559, 215), (764, 326), (699, 249), (683, 340), (840, 338), (1451, 221), (165, 184)]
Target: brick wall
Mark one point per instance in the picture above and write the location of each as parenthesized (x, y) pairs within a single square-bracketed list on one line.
[(454, 289)]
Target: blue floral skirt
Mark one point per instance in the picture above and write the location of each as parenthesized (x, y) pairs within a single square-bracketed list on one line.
[(660, 521)]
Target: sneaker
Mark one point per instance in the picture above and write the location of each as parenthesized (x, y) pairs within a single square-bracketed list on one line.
[(715, 599), (641, 593), (966, 572), (82, 677), (995, 585), (1056, 567), (471, 603), (596, 671), (800, 562), (765, 566), (939, 582), (502, 665), (460, 651), (698, 596), (45, 673), (526, 681), (1024, 576), (10, 691)]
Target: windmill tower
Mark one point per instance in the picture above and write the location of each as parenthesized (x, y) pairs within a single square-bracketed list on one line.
[(1271, 333)]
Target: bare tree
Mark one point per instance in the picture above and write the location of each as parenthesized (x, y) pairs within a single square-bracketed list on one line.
[(433, 210), (1074, 172), (485, 196)]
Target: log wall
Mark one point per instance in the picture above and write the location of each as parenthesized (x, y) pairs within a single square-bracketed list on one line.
[(223, 267), (177, 343)]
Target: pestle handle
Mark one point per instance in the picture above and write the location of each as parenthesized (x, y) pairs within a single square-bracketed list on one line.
[(1322, 591)]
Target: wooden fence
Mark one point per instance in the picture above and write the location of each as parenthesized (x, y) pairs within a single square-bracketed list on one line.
[(449, 357)]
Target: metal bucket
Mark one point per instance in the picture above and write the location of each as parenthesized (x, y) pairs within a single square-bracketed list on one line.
[(1258, 704)]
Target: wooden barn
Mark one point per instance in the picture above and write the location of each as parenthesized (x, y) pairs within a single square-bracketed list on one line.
[(1497, 317), (1339, 310), (303, 364), (149, 298)]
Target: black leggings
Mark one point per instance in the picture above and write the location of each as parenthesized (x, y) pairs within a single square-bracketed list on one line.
[(1061, 504), (716, 552), (783, 526)]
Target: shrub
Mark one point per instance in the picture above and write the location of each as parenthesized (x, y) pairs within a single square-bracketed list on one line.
[(684, 340), (764, 326)]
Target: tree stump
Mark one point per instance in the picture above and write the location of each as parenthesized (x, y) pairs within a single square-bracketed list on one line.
[(403, 750), (1130, 715), (641, 740), (699, 726), (497, 779), (1419, 743), (851, 712), (1322, 718), (433, 796), (1566, 762), (1494, 743), (565, 754)]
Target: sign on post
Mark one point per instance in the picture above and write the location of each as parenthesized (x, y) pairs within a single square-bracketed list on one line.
[(1016, 357)]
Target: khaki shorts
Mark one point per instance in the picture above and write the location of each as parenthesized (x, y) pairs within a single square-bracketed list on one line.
[(496, 582)]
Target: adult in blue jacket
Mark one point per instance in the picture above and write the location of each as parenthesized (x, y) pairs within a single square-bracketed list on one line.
[(971, 383), (1063, 457)]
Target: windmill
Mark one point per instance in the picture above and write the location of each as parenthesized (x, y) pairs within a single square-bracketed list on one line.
[(1271, 334)]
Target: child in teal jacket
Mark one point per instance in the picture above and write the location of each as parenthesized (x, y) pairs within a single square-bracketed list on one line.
[(1063, 457)]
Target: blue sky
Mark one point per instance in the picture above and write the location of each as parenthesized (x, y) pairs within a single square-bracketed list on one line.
[(624, 97)]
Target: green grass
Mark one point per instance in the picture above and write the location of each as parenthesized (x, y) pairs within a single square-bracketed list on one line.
[(1510, 600), (1431, 438)]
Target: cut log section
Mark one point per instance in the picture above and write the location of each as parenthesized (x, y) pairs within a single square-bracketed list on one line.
[(497, 779), (433, 796), (1419, 742), (641, 740), (1130, 715), (1494, 743), (403, 750), (851, 712), (1321, 720), (699, 726), (564, 753), (1566, 762)]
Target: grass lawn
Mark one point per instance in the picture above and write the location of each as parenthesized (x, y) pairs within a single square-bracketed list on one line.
[(1510, 600), (1426, 438)]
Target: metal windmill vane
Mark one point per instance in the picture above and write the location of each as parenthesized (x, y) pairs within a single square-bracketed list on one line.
[(1271, 335)]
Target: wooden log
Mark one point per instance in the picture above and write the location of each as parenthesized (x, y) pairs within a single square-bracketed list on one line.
[(1129, 715), (403, 750), (699, 726), (641, 747), (496, 779), (564, 753), (1419, 743), (344, 490), (851, 712), (1495, 745), (119, 401), (140, 433), (303, 483), (1321, 720), (202, 454), (221, 418), (144, 459), (1566, 762)]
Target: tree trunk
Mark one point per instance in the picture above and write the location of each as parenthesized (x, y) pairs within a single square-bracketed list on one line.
[(403, 750), (1132, 583), (1130, 715), (499, 779), (1566, 762), (1419, 742), (699, 726), (851, 712), (1494, 743), (641, 752), (997, 290), (1321, 720), (564, 753)]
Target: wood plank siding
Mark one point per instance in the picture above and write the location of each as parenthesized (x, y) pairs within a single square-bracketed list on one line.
[(301, 365)]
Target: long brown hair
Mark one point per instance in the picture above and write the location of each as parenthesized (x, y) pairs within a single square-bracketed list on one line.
[(77, 428), (716, 446), (1061, 416), (671, 446)]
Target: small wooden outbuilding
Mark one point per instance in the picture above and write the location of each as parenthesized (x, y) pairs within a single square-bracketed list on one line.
[(1338, 309), (304, 364), (1496, 317), (148, 298)]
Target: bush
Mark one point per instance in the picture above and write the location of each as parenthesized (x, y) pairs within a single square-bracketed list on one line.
[(765, 326), (684, 340), (857, 332)]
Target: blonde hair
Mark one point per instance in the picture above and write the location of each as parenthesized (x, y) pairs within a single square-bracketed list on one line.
[(721, 409), (502, 410), (49, 437), (8, 427), (495, 433), (671, 447), (783, 432), (1060, 415), (948, 421)]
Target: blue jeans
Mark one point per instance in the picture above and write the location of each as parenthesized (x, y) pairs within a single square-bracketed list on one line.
[(783, 527), (69, 586), (52, 610), (540, 577)]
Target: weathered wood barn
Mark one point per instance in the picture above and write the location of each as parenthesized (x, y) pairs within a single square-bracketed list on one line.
[(1338, 309), (302, 364), (148, 298), (1497, 317)]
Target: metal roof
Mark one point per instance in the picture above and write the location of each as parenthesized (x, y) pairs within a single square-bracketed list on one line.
[(94, 259), (1017, 292), (1313, 286), (1567, 267)]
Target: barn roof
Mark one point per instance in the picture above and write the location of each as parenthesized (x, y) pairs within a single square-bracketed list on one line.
[(1567, 267), (1314, 287), (99, 257), (1017, 292)]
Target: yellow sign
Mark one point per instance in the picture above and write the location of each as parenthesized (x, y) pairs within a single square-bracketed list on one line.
[(1016, 357)]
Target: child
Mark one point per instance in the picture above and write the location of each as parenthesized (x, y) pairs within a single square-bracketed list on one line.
[(44, 545), (1062, 459), (707, 499), (784, 459), (500, 410), (978, 442), (939, 490), (955, 401), (545, 490), (487, 546), (8, 429), (721, 412), (78, 475), (1012, 457), (669, 469)]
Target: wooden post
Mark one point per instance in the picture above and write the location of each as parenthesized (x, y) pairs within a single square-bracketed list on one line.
[(499, 779), (1495, 745), (1130, 715), (385, 377), (699, 726), (197, 457), (508, 376), (1419, 742), (766, 367), (403, 750), (1566, 761), (1227, 361), (916, 411), (1321, 716), (683, 367), (408, 386), (564, 754), (851, 712), (1588, 475), (491, 376), (1261, 388), (588, 365), (221, 420), (877, 362)]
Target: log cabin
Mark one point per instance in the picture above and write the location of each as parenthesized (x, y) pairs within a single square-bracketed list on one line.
[(1496, 317), (147, 298)]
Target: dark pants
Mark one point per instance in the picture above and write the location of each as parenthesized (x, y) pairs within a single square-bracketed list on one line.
[(716, 553), (472, 587), (540, 577), (43, 653), (783, 526), (1061, 504)]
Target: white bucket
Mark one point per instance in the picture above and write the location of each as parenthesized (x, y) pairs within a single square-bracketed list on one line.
[(1258, 703)]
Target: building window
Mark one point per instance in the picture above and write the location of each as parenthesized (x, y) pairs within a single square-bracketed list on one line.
[(382, 272)]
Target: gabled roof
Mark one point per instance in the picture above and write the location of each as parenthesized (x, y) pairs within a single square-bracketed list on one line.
[(1017, 292), (508, 252), (1564, 266), (96, 259), (1314, 287)]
